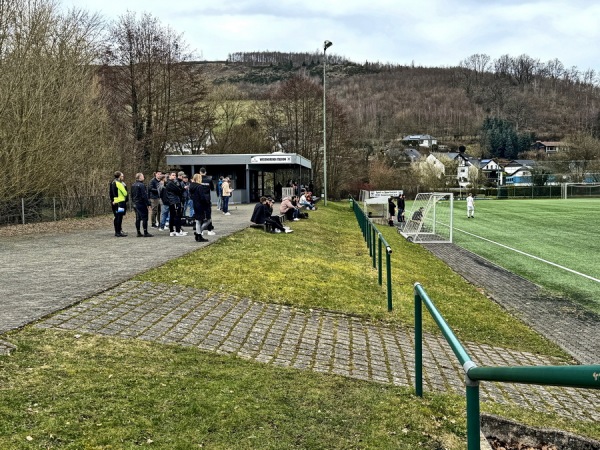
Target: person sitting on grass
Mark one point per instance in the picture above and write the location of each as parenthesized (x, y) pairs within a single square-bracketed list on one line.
[(289, 209), (262, 214), (305, 203)]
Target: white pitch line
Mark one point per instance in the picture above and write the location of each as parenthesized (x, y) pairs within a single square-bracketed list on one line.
[(531, 256)]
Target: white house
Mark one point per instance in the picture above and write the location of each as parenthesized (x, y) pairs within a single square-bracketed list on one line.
[(518, 164)]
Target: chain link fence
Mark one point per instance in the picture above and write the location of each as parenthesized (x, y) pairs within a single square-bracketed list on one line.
[(46, 209)]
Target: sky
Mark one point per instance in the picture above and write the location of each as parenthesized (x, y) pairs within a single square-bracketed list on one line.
[(431, 33)]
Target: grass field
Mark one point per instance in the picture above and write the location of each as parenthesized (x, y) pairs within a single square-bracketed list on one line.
[(563, 232)]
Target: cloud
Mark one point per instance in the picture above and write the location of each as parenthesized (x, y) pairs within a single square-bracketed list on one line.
[(429, 32)]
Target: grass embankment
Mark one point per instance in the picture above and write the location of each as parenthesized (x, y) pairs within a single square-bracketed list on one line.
[(64, 391), (325, 264)]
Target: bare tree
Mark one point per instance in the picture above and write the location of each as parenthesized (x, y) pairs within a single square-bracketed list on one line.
[(153, 89), (54, 132)]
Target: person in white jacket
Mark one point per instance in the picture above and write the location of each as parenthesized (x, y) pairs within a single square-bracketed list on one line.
[(470, 207)]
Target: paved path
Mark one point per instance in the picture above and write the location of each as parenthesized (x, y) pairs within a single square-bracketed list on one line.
[(43, 273), (310, 340), (560, 320), (48, 273)]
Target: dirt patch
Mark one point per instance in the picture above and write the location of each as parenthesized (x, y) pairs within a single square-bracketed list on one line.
[(504, 434), (60, 226)]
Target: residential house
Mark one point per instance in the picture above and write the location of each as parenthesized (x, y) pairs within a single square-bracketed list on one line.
[(412, 154), (518, 172), (437, 165), (420, 140), (464, 162), (550, 146), (491, 170)]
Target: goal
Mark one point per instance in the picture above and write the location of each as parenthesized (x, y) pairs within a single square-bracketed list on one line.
[(430, 219), (580, 190)]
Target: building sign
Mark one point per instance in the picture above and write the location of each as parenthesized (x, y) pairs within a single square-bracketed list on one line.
[(374, 194), (271, 159)]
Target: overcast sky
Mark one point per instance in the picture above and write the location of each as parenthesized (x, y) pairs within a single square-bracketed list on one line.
[(427, 32)]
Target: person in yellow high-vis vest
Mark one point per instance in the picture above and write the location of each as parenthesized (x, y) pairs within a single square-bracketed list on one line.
[(118, 197)]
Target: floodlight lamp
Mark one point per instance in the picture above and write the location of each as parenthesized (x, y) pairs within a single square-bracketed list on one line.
[(326, 45)]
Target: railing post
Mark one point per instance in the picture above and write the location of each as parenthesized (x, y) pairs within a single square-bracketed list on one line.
[(380, 260), (54, 207), (388, 268), (23, 210), (473, 420), (373, 245), (418, 344)]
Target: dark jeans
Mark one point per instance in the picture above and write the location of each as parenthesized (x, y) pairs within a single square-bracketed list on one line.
[(118, 221), (225, 204), (275, 222), (204, 215), (175, 213), (141, 217)]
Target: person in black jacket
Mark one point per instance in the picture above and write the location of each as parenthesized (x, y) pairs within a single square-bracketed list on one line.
[(199, 190), (174, 195), (263, 214), (141, 204), (391, 211), (401, 207), (154, 196)]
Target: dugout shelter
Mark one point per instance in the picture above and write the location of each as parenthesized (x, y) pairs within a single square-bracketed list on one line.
[(252, 175)]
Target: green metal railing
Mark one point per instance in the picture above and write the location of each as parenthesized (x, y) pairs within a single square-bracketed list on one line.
[(567, 376), (376, 243)]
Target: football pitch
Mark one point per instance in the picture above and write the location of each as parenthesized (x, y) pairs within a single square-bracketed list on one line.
[(554, 243)]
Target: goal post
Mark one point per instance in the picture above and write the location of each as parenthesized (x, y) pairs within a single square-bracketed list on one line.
[(580, 190), (430, 219)]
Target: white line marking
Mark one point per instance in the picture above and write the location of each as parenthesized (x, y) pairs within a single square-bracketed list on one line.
[(531, 256)]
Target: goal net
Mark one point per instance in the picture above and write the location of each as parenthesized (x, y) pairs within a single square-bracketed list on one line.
[(580, 190), (430, 219)]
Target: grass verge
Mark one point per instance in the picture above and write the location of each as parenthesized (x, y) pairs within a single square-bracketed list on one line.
[(325, 264), (91, 392)]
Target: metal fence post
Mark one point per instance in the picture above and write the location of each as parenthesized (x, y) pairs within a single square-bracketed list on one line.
[(373, 237), (54, 207), (380, 260), (473, 420), (388, 268), (23, 210), (418, 344)]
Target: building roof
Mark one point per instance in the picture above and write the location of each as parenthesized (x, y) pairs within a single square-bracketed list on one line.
[(276, 160), (521, 162), (412, 153), (417, 137)]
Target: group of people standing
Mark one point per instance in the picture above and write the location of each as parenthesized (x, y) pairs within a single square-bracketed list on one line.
[(165, 197), (392, 209)]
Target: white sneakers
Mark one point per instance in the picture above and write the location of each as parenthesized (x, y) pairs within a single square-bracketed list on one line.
[(287, 230), (296, 219), (211, 233), (227, 214), (181, 233)]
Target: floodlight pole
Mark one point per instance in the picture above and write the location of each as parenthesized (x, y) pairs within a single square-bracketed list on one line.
[(326, 45)]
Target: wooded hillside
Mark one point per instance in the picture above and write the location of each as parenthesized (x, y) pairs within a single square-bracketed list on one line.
[(544, 100)]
